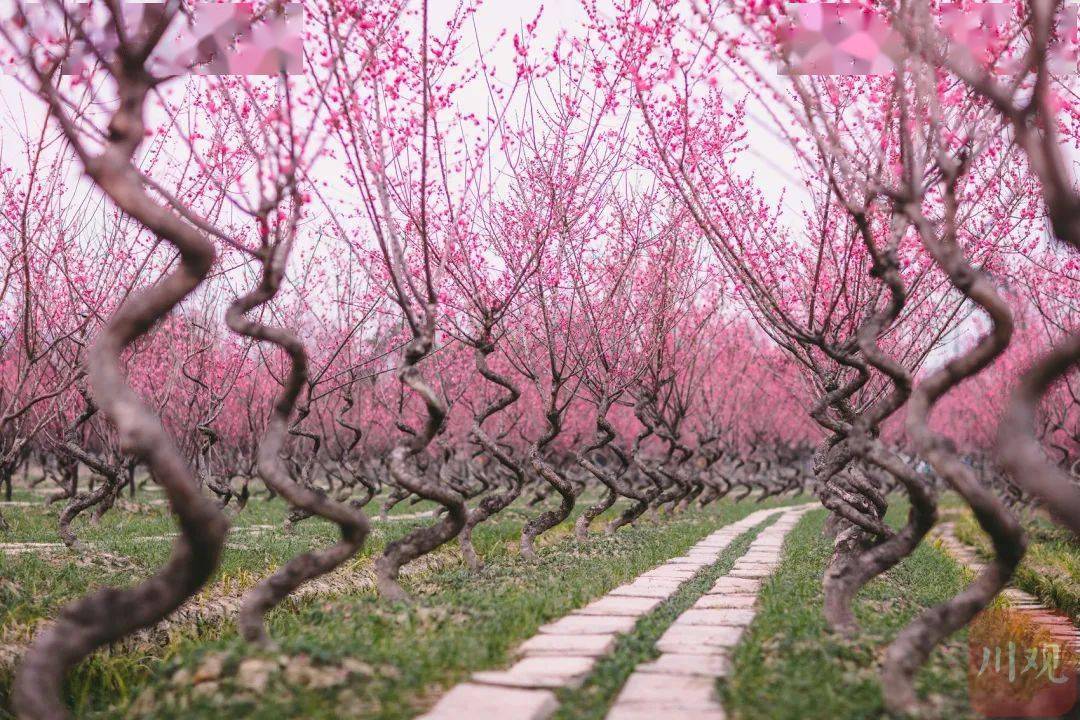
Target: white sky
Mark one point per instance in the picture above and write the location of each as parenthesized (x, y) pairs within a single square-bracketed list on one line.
[(768, 157)]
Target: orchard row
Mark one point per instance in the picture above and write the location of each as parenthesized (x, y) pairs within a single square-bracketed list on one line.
[(476, 270)]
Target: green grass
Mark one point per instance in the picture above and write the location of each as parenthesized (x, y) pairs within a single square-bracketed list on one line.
[(789, 666), (410, 654), (35, 584), (1051, 569), (392, 661), (593, 699)]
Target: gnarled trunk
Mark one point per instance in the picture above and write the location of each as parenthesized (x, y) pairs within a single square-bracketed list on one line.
[(354, 524), (915, 642), (422, 541), (109, 614), (491, 504), (1022, 455)]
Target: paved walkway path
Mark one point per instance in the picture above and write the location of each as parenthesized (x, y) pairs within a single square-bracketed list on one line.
[(564, 652), (1057, 624), (695, 650)]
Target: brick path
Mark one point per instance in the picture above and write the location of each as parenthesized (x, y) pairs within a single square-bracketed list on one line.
[(563, 653), (1058, 625), (695, 650)]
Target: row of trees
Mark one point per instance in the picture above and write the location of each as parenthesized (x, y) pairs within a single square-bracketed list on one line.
[(358, 283), (942, 190)]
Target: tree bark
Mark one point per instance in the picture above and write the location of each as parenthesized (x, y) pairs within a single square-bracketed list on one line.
[(1021, 454), (109, 614), (422, 541), (915, 642), (491, 504), (353, 524)]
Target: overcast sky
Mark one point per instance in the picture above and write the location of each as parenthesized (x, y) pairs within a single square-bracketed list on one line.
[(768, 157)]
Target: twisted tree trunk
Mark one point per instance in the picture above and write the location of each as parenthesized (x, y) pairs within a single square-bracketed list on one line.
[(103, 494), (422, 541), (110, 475), (598, 508), (652, 489), (111, 613), (491, 504), (547, 520), (915, 642), (1021, 454), (354, 524), (612, 481), (844, 580)]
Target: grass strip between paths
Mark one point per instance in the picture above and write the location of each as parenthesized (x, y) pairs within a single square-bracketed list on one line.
[(1050, 569), (789, 666)]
